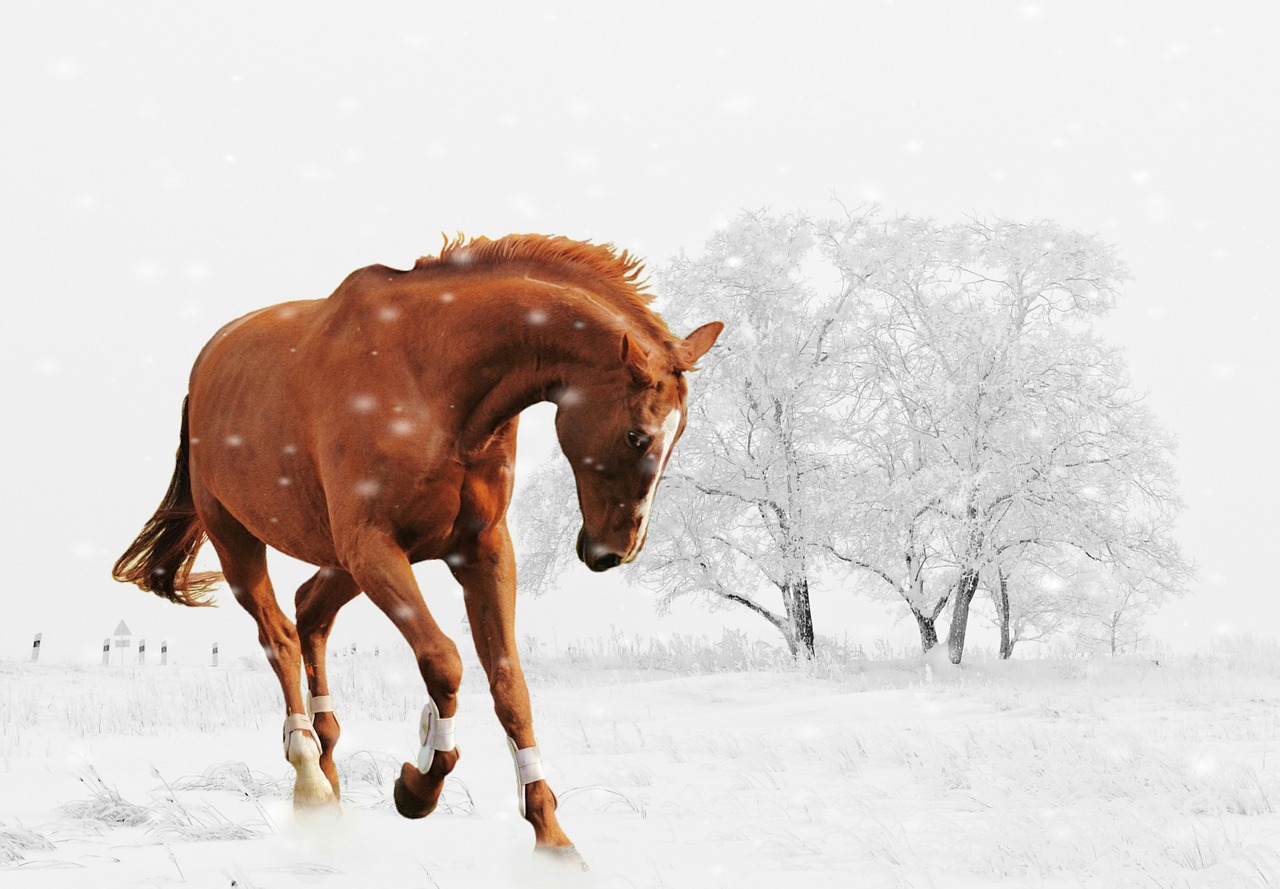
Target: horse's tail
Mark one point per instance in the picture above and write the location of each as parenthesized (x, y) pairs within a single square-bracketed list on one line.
[(160, 560)]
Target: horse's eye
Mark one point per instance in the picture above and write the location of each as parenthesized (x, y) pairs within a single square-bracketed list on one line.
[(638, 440)]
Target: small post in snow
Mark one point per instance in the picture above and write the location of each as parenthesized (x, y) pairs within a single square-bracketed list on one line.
[(106, 651), (123, 639), (215, 654), (35, 648), (142, 652), (164, 653)]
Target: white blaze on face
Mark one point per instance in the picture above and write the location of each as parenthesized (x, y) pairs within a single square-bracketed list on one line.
[(666, 438)]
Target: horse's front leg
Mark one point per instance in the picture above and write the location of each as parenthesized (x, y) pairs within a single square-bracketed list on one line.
[(488, 577), (379, 567)]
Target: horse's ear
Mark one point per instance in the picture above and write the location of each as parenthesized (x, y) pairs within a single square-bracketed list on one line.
[(636, 360), (697, 344)]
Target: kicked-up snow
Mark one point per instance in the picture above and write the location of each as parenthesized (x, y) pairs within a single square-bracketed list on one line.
[(1054, 773)]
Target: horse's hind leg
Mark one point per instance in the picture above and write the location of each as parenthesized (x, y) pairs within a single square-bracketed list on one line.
[(318, 601), (244, 564)]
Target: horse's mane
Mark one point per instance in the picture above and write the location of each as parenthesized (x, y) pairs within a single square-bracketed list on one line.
[(614, 276)]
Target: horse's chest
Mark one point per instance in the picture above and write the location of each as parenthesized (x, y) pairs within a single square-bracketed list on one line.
[(455, 516), (423, 509)]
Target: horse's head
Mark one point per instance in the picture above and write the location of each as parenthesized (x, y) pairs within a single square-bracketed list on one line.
[(618, 433)]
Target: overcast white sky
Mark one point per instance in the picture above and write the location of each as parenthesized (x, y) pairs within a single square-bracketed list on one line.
[(165, 167)]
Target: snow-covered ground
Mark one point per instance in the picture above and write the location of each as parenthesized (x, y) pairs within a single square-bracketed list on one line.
[(897, 774)]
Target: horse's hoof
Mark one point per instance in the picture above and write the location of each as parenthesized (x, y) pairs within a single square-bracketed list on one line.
[(566, 857), (313, 792), (408, 803), (317, 811)]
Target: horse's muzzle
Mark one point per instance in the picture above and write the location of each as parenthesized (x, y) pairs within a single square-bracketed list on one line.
[(597, 558)]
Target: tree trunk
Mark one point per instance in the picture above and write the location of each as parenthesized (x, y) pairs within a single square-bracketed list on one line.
[(926, 623), (796, 588), (966, 586), (1002, 606), (928, 631), (801, 617)]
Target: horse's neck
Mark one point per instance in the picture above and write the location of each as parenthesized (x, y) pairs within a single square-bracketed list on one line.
[(574, 342)]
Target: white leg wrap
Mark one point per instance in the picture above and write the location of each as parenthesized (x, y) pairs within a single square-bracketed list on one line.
[(295, 723), (528, 762), (320, 704), (435, 732)]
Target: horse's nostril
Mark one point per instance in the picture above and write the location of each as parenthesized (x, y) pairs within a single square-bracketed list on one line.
[(605, 562), (594, 556)]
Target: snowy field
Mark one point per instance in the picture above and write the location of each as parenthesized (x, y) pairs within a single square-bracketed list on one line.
[(1048, 773)]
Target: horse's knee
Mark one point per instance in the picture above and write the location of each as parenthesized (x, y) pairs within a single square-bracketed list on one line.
[(442, 670)]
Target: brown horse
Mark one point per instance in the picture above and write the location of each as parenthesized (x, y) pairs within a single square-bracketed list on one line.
[(377, 428)]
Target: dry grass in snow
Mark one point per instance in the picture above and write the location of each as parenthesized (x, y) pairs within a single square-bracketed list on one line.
[(898, 773)]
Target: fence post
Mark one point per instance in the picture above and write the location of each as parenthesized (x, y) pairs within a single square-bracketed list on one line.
[(164, 653), (142, 652), (35, 648), (106, 651), (215, 654)]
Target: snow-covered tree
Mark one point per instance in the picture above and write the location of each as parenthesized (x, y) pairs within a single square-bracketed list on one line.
[(1009, 427), (889, 482), (1030, 603), (1101, 499), (1112, 614)]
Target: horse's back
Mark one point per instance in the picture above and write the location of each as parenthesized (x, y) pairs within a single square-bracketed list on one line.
[(307, 413), (274, 357)]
